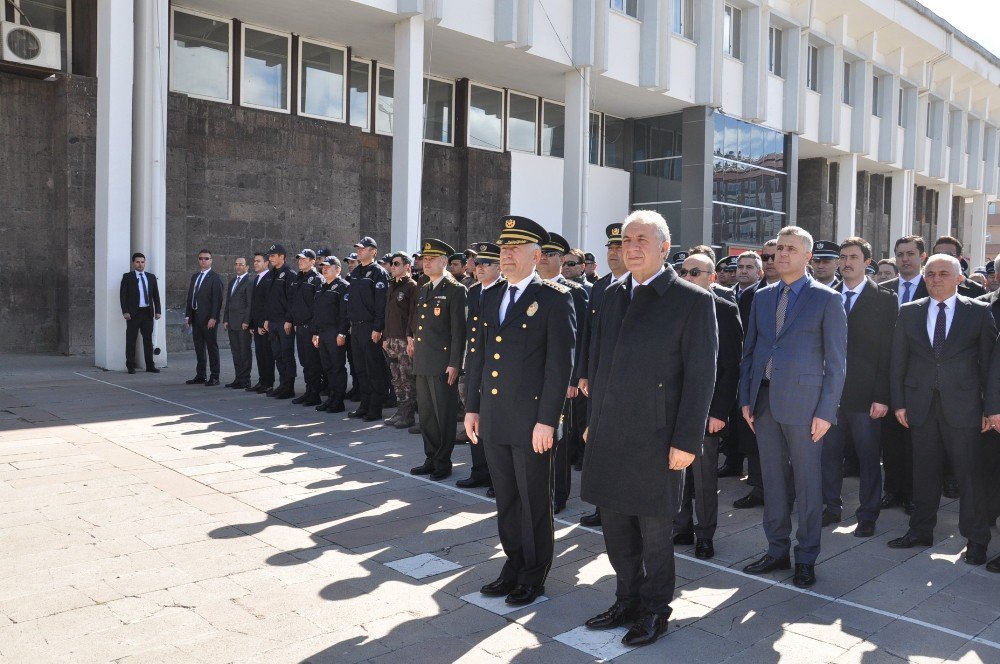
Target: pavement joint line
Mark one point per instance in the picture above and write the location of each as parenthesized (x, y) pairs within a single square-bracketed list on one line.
[(721, 568)]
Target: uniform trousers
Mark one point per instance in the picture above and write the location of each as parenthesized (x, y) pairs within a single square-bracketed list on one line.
[(562, 476), (333, 359), (140, 323), (283, 350), (369, 363), (437, 403), (701, 487), (205, 339), (312, 366), (864, 432), (748, 446), (989, 474), (239, 345), (522, 482), (265, 359), (480, 470)]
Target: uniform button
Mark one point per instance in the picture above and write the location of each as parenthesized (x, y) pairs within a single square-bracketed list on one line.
[(536, 398), (475, 318), (425, 305), (472, 340), (524, 326), (493, 391), (495, 374), (659, 384), (423, 316), (446, 348), (472, 350), (418, 338), (496, 356), (420, 327), (473, 329), (499, 339)]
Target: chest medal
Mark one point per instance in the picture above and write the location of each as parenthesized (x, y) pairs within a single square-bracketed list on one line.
[(532, 309)]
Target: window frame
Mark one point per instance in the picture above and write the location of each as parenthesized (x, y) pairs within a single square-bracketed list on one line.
[(504, 109), (876, 85), (229, 51), (541, 128), (68, 28), (536, 135), (775, 65), (624, 8), (345, 100), (812, 67), (686, 15), (423, 105), (847, 91), (368, 127), (735, 35), (243, 70), (604, 143), (373, 110), (600, 137)]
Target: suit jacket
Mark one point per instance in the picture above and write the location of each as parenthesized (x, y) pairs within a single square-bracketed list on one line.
[(439, 340), (745, 302), (870, 327), (581, 300), (724, 293), (594, 305), (893, 285), (518, 371), (238, 303), (258, 299), (960, 374), (727, 366), (128, 293), (809, 354), (209, 297), (652, 378)]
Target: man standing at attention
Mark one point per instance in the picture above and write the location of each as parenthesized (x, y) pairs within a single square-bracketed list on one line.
[(258, 316), (236, 320), (204, 305), (397, 342), (140, 300), (366, 309)]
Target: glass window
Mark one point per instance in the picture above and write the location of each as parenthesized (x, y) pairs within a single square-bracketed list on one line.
[(630, 7), (812, 69), (321, 80), (200, 59), (901, 113), (383, 100), (51, 15), (732, 21), (522, 122), (614, 142), (876, 102), (486, 118), (683, 20), (930, 120), (265, 69), (360, 84), (774, 50), (595, 138), (553, 129), (439, 100), (845, 93)]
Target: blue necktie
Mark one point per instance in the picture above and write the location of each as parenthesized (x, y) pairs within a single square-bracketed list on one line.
[(847, 302), (906, 291)]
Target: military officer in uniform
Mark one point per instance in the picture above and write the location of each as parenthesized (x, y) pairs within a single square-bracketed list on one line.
[(366, 309), (519, 368), (302, 293), (438, 331), (330, 325), (279, 329)]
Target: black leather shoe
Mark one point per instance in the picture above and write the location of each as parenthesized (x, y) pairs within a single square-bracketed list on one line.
[(684, 539), (471, 482), (748, 501), (865, 529), (766, 564), (949, 488), (994, 565), (323, 406), (805, 575), (704, 549), (284, 393), (372, 417), (312, 398), (522, 595), (592, 520), (271, 392), (233, 384), (620, 613), (491, 493), (152, 370), (211, 382), (830, 519), (909, 540), (264, 389), (241, 386), (254, 388), (442, 474), (131, 370), (975, 554), (301, 398), (646, 629), (498, 588), (195, 381), (358, 414), (890, 500), (558, 506), (730, 470), (425, 469), (336, 407)]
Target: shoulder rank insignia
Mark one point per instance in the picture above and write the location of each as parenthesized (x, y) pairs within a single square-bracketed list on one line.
[(555, 285)]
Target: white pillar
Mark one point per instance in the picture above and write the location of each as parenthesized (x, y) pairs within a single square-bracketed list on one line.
[(945, 195), (708, 56), (407, 133), (113, 199), (149, 157), (975, 239), (901, 214), (847, 197), (576, 156)]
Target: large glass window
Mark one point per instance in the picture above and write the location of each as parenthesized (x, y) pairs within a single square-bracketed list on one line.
[(200, 58), (656, 165), (595, 138), (553, 129), (683, 18), (522, 122), (876, 101), (266, 56), (630, 7), (486, 118), (774, 36), (51, 15), (614, 142), (384, 93), (359, 82), (439, 104), (732, 25), (322, 80), (845, 94), (812, 68)]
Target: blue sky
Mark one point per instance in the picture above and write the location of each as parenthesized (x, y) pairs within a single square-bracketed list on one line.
[(979, 19)]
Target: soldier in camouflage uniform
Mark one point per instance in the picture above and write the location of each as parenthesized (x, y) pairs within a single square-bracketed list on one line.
[(397, 342)]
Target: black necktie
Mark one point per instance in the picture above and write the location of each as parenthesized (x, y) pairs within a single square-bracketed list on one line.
[(847, 302), (512, 291), (145, 290), (194, 295), (939, 329)]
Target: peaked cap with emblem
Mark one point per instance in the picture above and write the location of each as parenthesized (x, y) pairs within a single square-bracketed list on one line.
[(434, 247), (826, 249), (487, 251), (614, 233), (521, 230), (678, 258), (727, 264), (556, 242)]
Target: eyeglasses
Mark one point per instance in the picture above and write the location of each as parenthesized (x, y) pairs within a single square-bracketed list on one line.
[(204, 258), (694, 272), (571, 263), (396, 264), (767, 258), (550, 254)]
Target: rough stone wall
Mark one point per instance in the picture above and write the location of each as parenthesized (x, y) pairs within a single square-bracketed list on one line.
[(816, 213)]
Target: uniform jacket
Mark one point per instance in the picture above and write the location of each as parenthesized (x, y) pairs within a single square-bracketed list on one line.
[(810, 354), (276, 307), (209, 297), (237, 310), (745, 302), (870, 327), (128, 293), (518, 372), (301, 293), (258, 299), (581, 300), (474, 314), (727, 366), (400, 307), (366, 296), (960, 374), (594, 306), (439, 321), (652, 374), (329, 308)]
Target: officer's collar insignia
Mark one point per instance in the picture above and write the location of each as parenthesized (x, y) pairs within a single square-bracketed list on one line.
[(532, 309)]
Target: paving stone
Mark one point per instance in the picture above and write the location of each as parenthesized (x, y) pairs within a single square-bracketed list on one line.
[(423, 565)]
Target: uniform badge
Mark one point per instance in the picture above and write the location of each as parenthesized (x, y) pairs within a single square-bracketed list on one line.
[(379, 284), (399, 297), (510, 223), (532, 309), (437, 311)]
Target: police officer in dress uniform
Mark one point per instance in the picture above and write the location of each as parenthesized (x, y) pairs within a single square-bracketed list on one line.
[(366, 309), (330, 325), (519, 368), (278, 326), (824, 263), (302, 292)]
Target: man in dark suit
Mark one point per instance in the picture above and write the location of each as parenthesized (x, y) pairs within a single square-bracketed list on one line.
[(518, 371), (953, 247), (654, 344), (791, 379), (204, 306), (941, 353), (437, 326), (701, 481), (236, 320), (871, 317), (258, 316), (278, 324), (330, 333), (989, 466), (140, 300)]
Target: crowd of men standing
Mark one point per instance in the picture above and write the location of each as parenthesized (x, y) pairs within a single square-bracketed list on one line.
[(825, 364)]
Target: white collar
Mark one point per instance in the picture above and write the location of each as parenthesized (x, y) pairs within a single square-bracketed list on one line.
[(490, 285), (137, 273), (435, 282), (857, 289), (949, 303), (522, 284), (206, 271), (646, 282), (915, 280)]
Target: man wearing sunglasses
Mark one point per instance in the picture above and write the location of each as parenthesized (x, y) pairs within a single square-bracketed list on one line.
[(204, 305), (397, 342), (573, 265)]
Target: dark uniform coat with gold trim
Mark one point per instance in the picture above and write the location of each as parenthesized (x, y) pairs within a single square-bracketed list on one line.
[(439, 322)]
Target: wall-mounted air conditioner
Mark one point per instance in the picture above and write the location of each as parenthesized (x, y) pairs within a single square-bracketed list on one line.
[(24, 45)]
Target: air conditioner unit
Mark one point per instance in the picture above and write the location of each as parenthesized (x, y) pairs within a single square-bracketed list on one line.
[(24, 45)]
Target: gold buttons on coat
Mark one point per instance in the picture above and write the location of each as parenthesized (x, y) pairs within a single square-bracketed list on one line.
[(499, 339), (524, 326), (493, 391), (475, 318), (495, 374), (418, 338), (420, 327), (423, 316), (496, 356)]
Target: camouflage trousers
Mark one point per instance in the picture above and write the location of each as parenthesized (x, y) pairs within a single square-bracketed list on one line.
[(401, 370)]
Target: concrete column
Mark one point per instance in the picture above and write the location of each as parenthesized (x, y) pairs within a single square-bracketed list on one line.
[(939, 134), (113, 177), (407, 132), (755, 63), (862, 73), (847, 196), (943, 220), (708, 53), (901, 214), (975, 237), (149, 157), (889, 122), (913, 129), (830, 58), (975, 161), (957, 125), (695, 224), (990, 160), (791, 181), (576, 156), (654, 45), (794, 78)]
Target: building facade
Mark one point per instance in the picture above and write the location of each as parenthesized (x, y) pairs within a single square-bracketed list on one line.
[(231, 124)]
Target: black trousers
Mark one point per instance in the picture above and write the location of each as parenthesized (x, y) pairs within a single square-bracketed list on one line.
[(864, 431), (239, 344), (372, 372), (521, 479), (480, 465), (312, 366), (933, 441), (701, 493), (729, 445), (897, 457), (437, 404), (283, 350), (265, 359), (333, 360), (748, 446), (139, 324), (989, 472), (205, 339), (562, 467)]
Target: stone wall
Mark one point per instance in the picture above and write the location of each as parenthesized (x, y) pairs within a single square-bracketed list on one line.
[(817, 211)]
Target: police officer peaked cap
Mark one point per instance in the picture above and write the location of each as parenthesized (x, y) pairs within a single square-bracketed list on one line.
[(824, 249), (385, 259), (727, 264), (470, 253), (366, 242), (614, 233), (456, 257), (277, 249), (306, 253), (589, 257), (870, 269), (351, 257), (981, 270), (323, 253), (487, 251), (678, 258), (435, 247), (990, 267), (521, 230), (556, 242)]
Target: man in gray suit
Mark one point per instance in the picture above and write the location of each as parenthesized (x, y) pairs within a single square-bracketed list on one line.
[(236, 320), (791, 379)]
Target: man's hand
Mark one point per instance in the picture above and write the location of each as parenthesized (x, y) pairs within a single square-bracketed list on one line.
[(584, 386), (341, 340), (266, 328), (187, 323), (542, 438), (679, 459), (986, 424), (995, 421), (316, 340), (376, 337), (819, 428), (245, 326), (585, 432), (452, 373), (472, 427), (261, 331), (748, 416), (127, 316), (157, 316), (571, 392), (901, 417), (225, 326), (878, 410), (288, 328), (715, 425), (211, 324)]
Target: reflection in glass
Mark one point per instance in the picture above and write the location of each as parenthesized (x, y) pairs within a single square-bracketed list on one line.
[(595, 138), (47, 15), (265, 69), (553, 129), (383, 101), (322, 80), (521, 123), (437, 110), (614, 142), (485, 118), (359, 82), (200, 61), (656, 181)]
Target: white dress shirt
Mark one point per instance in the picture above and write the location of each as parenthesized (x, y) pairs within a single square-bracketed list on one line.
[(260, 275), (236, 283), (632, 283), (915, 283), (856, 290), (140, 277), (520, 286), (932, 314)]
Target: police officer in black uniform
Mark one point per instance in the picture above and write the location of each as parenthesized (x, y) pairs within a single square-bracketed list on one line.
[(824, 263), (302, 292), (278, 323), (518, 371), (330, 325), (366, 309), (321, 256)]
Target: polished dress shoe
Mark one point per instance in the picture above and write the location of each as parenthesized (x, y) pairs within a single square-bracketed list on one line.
[(271, 392), (301, 398), (558, 506), (357, 414), (830, 519), (211, 382), (491, 493), (498, 588), (647, 628), (336, 407), (471, 482), (890, 500), (241, 386), (254, 388), (620, 613), (704, 549), (730, 470), (949, 488), (865, 529), (152, 370), (748, 501), (592, 520), (442, 474), (233, 384), (683, 539), (372, 417), (994, 565), (131, 370), (264, 389), (805, 575), (975, 554), (523, 595), (195, 381), (312, 398), (766, 564), (284, 393), (424, 469), (909, 540)]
